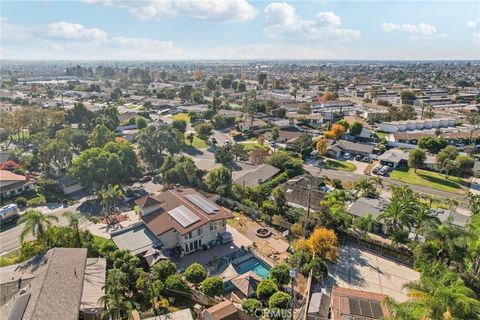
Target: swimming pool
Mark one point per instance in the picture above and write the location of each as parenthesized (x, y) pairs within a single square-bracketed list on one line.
[(254, 264)]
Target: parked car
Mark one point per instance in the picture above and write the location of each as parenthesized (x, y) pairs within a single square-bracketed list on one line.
[(347, 156), (213, 140), (376, 169), (359, 158), (145, 179), (365, 159), (384, 170), (324, 189)]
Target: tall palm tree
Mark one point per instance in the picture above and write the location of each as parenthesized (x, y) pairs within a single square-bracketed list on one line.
[(36, 224), (74, 220)]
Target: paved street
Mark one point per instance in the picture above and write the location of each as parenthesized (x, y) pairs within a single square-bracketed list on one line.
[(350, 176), (10, 239)]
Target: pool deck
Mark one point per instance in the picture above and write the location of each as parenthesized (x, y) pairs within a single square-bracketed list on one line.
[(203, 257)]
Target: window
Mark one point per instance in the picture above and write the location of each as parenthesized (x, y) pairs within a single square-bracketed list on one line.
[(211, 225), (186, 247), (199, 231)]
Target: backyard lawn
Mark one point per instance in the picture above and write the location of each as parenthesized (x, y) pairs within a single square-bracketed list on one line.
[(340, 165), (430, 179), (197, 143), (249, 146), (181, 116)]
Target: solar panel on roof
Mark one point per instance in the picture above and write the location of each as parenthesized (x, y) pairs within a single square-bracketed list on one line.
[(202, 203), (19, 307), (183, 216)]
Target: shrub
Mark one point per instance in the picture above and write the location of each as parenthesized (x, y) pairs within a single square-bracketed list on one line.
[(195, 273), (37, 201), (337, 183), (252, 306), (279, 300), (212, 286), (21, 201), (266, 288), (175, 282)]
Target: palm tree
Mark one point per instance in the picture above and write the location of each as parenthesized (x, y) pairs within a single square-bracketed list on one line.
[(423, 219), (452, 203), (108, 197), (190, 137), (36, 224), (400, 212), (74, 220), (117, 305)]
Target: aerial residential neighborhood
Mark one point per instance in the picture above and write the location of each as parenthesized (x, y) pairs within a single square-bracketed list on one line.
[(239, 160)]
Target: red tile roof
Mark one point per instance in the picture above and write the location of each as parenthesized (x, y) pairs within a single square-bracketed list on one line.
[(160, 220), (10, 176), (9, 165)]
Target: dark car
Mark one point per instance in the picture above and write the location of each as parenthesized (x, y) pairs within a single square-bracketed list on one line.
[(359, 158), (365, 159), (145, 179)]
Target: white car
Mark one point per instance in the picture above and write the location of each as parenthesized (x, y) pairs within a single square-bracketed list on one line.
[(347, 156)]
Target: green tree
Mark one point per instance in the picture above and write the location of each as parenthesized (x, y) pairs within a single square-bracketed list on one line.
[(265, 289), (36, 224), (219, 180), (279, 198), (279, 300), (180, 125), (464, 165), (280, 274), (212, 286), (117, 304), (252, 307), (203, 130), (141, 122), (416, 158), (74, 219), (445, 159), (195, 273), (399, 213), (225, 156), (175, 282), (108, 196), (153, 141), (356, 128), (432, 144), (100, 136), (55, 153), (190, 137), (366, 223), (163, 269), (423, 218)]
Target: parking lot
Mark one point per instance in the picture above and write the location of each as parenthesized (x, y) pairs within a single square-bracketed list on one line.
[(363, 270)]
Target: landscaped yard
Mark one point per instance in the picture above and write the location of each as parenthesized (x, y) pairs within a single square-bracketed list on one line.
[(249, 146), (340, 165), (431, 179), (181, 116)]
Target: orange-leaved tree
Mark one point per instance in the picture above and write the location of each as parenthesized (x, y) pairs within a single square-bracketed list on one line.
[(322, 145), (323, 242), (338, 130)]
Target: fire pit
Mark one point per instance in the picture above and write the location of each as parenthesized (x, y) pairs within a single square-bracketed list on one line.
[(263, 233)]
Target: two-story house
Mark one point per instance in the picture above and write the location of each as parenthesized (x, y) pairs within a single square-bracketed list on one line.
[(184, 219)]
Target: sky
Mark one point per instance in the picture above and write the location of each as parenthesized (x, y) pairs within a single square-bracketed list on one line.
[(239, 29)]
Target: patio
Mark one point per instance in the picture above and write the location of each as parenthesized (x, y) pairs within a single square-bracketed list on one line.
[(204, 257)]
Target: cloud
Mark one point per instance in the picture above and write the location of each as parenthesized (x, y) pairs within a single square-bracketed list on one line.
[(69, 31), (421, 28), (206, 10), (282, 22), (475, 26), (65, 40)]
